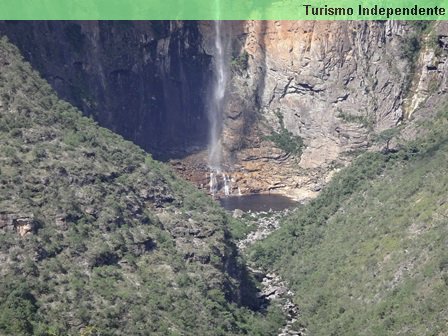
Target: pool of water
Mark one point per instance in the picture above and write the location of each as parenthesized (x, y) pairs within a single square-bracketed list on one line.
[(258, 202)]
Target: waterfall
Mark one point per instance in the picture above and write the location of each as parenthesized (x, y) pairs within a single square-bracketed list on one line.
[(227, 184), (217, 99), (215, 111), (213, 183)]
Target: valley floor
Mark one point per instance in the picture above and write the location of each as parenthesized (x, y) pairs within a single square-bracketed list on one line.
[(273, 289)]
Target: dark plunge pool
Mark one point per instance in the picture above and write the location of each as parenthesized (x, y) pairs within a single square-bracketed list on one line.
[(258, 202)]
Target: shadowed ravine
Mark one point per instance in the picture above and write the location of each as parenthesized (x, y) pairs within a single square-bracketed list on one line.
[(273, 289)]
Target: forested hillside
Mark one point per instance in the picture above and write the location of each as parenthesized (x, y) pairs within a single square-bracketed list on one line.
[(96, 238), (369, 256)]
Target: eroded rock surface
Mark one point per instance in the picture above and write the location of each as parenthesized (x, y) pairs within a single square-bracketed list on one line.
[(333, 84)]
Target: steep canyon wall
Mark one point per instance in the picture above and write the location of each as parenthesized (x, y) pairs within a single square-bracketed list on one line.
[(329, 85), (144, 79), (333, 85)]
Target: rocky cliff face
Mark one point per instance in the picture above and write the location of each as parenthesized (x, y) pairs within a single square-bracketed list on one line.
[(332, 84), (429, 82), (329, 85), (143, 80)]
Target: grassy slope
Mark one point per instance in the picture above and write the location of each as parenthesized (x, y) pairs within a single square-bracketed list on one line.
[(369, 256), (120, 245)]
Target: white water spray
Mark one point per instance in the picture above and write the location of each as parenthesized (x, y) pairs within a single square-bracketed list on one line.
[(217, 100), (213, 183), (215, 112), (227, 184)]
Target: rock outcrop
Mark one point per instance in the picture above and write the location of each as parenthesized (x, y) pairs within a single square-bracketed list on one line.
[(329, 81), (430, 81), (22, 224), (331, 84)]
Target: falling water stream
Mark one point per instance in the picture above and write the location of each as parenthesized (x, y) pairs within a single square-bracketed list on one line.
[(218, 179), (217, 101)]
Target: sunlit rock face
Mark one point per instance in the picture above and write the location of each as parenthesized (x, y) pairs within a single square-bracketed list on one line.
[(144, 80), (334, 84), (330, 81)]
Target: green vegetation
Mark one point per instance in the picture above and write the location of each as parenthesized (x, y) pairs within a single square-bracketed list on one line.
[(369, 255), (366, 121), (412, 45), (286, 140), (411, 48), (118, 245), (240, 63), (385, 137)]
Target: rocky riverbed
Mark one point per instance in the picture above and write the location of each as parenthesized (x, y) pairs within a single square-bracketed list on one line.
[(266, 223), (273, 289)]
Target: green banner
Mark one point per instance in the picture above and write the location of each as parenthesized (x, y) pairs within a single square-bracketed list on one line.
[(223, 10)]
